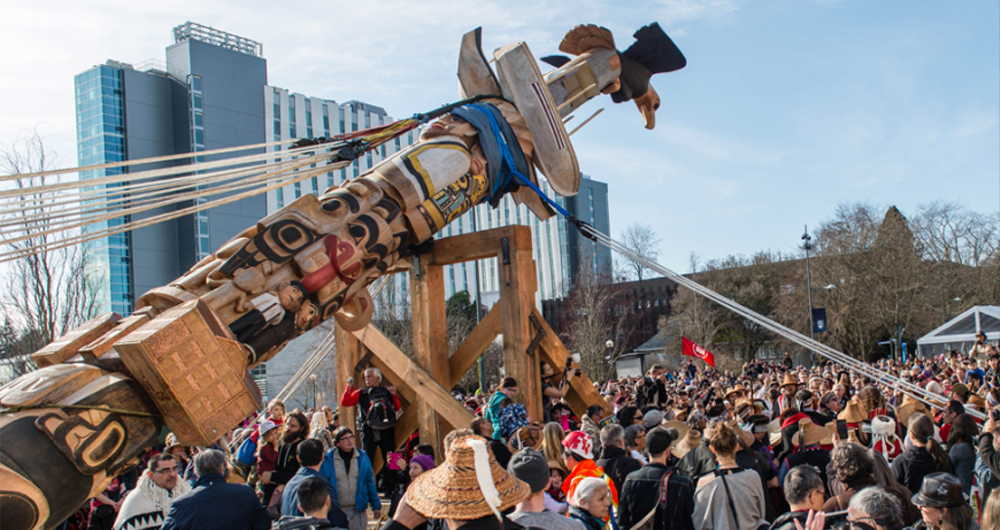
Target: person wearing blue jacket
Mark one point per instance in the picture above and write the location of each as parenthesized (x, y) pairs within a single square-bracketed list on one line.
[(310, 456), (215, 504), (350, 472)]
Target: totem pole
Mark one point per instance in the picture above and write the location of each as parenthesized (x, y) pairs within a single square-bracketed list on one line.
[(104, 390)]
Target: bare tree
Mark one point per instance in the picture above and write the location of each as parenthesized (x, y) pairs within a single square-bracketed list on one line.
[(49, 292), (642, 240)]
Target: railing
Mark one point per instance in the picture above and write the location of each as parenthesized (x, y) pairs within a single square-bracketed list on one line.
[(210, 35)]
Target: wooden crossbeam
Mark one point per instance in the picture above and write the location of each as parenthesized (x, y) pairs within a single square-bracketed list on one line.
[(478, 245), (475, 344), (581, 393)]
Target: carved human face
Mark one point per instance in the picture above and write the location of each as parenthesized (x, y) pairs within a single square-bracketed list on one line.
[(166, 474), (290, 296), (449, 125), (305, 315)]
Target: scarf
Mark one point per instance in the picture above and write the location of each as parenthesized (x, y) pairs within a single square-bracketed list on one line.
[(147, 505)]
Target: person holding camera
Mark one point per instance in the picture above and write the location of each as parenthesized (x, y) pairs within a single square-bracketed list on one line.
[(550, 392), (652, 390)]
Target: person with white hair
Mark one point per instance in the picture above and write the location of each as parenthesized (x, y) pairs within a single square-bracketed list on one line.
[(378, 406), (590, 503)]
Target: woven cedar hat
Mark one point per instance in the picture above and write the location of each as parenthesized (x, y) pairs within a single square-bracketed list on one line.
[(689, 442), (733, 390), (451, 491), (790, 380), (853, 413), (978, 402), (679, 426), (910, 407), (811, 434)]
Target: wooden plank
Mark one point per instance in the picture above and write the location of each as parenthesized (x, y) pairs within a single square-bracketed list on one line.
[(475, 344), (426, 388), (346, 351), (517, 297), (430, 342), (477, 245), (582, 393)]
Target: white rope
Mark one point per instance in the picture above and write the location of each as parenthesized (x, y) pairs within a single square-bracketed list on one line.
[(855, 365)]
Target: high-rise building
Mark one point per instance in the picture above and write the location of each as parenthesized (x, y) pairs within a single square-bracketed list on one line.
[(209, 94)]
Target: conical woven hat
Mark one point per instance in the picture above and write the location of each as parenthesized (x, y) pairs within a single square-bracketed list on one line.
[(853, 413), (689, 442), (451, 491), (789, 380), (910, 407)]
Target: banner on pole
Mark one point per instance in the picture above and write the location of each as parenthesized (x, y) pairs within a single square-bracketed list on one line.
[(819, 319)]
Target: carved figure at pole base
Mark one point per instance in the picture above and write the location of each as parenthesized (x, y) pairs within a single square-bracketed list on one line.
[(106, 388)]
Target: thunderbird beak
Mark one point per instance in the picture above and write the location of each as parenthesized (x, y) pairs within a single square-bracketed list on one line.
[(648, 103)]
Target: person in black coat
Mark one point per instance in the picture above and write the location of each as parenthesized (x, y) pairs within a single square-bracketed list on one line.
[(215, 504), (641, 491), (615, 461), (925, 457)]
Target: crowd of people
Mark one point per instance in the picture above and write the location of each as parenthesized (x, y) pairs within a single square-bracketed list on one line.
[(773, 447)]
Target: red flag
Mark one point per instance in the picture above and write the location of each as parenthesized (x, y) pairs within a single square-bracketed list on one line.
[(693, 350)]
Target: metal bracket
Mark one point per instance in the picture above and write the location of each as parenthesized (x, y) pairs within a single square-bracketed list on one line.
[(539, 334), (416, 267), (505, 250), (364, 361)]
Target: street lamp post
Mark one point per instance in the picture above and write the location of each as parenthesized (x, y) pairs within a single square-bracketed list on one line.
[(313, 379), (808, 246)]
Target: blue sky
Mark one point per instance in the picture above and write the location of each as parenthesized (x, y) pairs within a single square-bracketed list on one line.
[(785, 110)]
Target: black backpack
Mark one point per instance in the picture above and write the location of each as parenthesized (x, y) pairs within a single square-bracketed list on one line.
[(381, 411)]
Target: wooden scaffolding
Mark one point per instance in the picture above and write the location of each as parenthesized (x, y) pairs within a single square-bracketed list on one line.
[(423, 382)]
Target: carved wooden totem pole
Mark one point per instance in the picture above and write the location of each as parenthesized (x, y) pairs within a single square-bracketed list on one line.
[(104, 390)]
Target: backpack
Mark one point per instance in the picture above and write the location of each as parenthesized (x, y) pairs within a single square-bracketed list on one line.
[(381, 412), (649, 521), (247, 453)]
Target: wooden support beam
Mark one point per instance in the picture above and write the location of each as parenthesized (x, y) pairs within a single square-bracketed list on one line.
[(477, 245), (517, 298), (582, 393), (430, 343), (423, 384), (475, 344), (347, 353)]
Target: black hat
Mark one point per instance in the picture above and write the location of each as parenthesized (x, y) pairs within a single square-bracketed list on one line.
[(940, 490), (659, 439), (530, 466)]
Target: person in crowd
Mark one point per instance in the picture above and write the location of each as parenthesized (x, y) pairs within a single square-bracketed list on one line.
[(287, 463), (651, 391), (578, 457), (213, 503), (991, 511), (942, 504), (876, 508), (146, 506), (642, 489), (805, 493), (319, 428), (550, 392), (615, 461), (183, 456), (788, 388), (555, 499), (630, 415), (457, 491), (309, 454), (483, 427), (979, 350), (276, 411), (267, 456), (809, 452), (378, 406), (313, 500), (551, 446), (730, 498), (530, 466), (590, 503), (350, 472), (925, 456), (954, 409), (635, 442), (961, 449), (507, 390), (854, 468), (591, 424)]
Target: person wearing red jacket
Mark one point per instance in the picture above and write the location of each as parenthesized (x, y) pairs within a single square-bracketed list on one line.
[(368, 399)]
